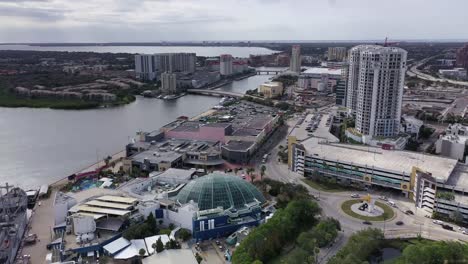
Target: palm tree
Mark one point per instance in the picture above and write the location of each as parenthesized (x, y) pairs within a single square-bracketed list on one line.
[(249, 172), (262, 171)]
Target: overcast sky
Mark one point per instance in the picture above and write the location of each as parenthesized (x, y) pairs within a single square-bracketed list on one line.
[(179, 20)]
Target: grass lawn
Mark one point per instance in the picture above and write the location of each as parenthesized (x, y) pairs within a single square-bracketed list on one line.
[(346, 207), (325, 187)]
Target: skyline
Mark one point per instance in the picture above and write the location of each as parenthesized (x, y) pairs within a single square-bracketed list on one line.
[(46, 21)]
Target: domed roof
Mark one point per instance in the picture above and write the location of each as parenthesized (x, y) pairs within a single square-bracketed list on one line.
[(219, 189)]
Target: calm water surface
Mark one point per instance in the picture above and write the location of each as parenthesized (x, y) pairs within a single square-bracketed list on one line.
[(243, 52), (43, 145)]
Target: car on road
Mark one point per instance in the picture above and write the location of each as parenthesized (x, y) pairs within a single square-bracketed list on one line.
[(367, 223), (355, 195), (465, 232), (399, 223), (448, 227), (392, 203), (438, 222), (384, 198), (409, 212)]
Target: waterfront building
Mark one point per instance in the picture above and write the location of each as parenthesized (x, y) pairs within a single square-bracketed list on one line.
[(375, 89), (271, 89), (336, 53), (295, 63), (320, 79), (453, 143), (175, 62), (225, 203), (145, 67), (462, 57), (225, 64), (169, 83)]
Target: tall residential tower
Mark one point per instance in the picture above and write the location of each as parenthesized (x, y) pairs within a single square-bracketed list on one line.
[(225, 64), (375, 88), (295, 64)]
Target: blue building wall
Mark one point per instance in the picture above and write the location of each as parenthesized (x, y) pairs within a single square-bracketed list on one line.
[(222, 226)]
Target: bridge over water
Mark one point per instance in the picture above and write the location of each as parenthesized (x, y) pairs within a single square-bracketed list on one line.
[(215, 93)]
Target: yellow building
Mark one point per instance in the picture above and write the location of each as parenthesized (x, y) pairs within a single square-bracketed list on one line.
[(271, 89)]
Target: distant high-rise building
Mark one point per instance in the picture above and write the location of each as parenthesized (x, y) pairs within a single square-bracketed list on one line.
[(149, 66), (375, 88), (225, 64), (462, 57), (176, 62), (169, 83), (341, 85), (145, 67), (336, 53), (295, 64)]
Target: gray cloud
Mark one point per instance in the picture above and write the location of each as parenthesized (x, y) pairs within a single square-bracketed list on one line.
[(39, 14), (154, 20)]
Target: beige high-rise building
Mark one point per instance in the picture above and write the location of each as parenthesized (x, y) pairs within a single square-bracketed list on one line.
[(295, 64), (336, 53), (375, 88), (169, 83)]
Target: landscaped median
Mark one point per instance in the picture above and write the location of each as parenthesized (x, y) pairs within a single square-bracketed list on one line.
[(388, 213)]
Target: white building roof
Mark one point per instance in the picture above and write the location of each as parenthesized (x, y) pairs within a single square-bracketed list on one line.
[(173, 256), (152, 240), (109, 205), (118, 199), (116, 245), (317, 70), (389, 160), (90, 209), (132, 250)]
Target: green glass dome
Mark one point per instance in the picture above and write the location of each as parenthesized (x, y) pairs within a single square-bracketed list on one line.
[(219, 189)]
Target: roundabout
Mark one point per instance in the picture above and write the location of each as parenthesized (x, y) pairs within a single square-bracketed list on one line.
[(379, 212)]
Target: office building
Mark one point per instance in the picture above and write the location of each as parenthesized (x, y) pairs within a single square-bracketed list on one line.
[(320, 79), (176, 62), (271, 89), (456, 73), (375, 89), (295, 64), (145, 67), (462, 57), (225, 64), (424, 179), (453, 143), (336, 53), (169, 83)]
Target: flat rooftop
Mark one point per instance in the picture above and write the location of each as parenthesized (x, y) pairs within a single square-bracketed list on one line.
[(390, 160), (317, 70), (238, 145)]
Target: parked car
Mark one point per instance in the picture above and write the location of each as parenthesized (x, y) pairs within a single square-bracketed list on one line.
[(438, 222), (367, 223), (409, 212), (355, 195), (399, 223), (465, 232)]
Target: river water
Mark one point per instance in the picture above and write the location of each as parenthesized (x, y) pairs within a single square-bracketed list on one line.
[(43, 145), (243, 52)]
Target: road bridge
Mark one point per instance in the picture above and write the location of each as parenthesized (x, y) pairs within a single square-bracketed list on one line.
[(215, 93)]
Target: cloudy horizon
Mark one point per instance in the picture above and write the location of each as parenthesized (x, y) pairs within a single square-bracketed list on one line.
[(274, 20)]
